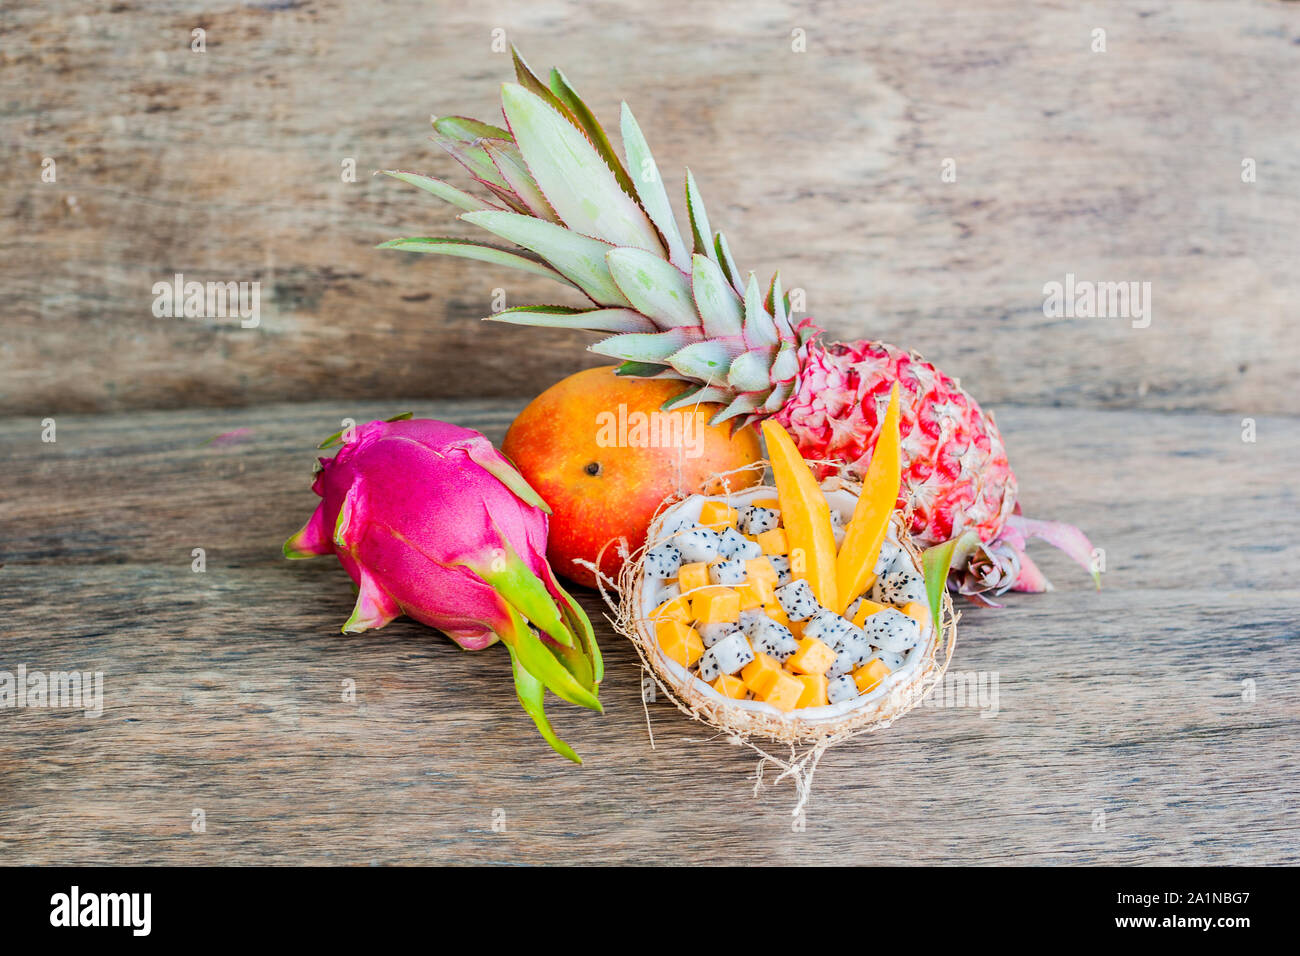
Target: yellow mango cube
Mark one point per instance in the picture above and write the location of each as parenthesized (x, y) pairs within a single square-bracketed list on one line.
[(814, 690), (760, 569), (677, 609), (751, 596), (680, 642), (918, 612), (692, 576), (813, 657), (796, 628), (774, 541), (761, 673), (728, 685), (870, 674), (785, 692), (715, 604), (718, 515)]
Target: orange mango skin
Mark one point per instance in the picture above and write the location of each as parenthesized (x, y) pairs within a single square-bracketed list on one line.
[(556, 438), (866, 532), (804, 512)]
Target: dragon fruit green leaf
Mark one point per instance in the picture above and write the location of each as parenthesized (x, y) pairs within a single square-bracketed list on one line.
[(532, 697)]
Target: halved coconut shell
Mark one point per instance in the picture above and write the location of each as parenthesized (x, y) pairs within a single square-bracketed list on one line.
[(744, 719)]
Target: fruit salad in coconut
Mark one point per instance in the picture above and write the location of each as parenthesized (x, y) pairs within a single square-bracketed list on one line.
[(797, 612)]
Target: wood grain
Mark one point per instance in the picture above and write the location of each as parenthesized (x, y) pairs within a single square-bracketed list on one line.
[(223, 688), (225, 166)]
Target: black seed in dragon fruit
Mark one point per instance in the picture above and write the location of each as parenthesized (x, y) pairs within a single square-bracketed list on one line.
[(756, 520), (781, 565), (663, 561), (726, 657), (892, 630), (730, 573), (711, 634), (796, 599), (774, 639), (698, 544), (841, 688)]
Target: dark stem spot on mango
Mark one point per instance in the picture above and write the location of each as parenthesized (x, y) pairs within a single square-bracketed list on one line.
[(593, 469)]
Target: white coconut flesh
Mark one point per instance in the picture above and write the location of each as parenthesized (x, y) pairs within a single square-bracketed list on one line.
[(654, 591)]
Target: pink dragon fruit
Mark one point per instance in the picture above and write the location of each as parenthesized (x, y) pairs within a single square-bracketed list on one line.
[(433, 522)]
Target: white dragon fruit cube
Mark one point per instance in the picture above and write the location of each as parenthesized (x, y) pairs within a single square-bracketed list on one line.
[(670, 592), (890, 660), (824, 626), (729, 543), (726, 657), (796, 599), (698, 544), (729, 573), (774, 639), (841, 688), (889, 553), (781, 565), (756, 520), (899, 587), (857, 645), (663, 561), (892, 630), (843, 663), (711, 634), (751, 617)]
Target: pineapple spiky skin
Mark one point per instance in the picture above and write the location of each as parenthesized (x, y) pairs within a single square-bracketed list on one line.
[(956, 476), (672, 304)]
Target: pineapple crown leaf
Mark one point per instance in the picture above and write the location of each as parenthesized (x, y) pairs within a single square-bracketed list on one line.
[(580, 214)]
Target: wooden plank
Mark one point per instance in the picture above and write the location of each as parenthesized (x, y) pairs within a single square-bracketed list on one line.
[(226, 166), (223, 689)]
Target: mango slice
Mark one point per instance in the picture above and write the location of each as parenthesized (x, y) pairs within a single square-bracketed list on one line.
[(805, 514), (866, 532)]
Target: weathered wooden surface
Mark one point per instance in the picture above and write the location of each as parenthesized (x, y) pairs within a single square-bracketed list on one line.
[(225, 166), (223, 688)]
